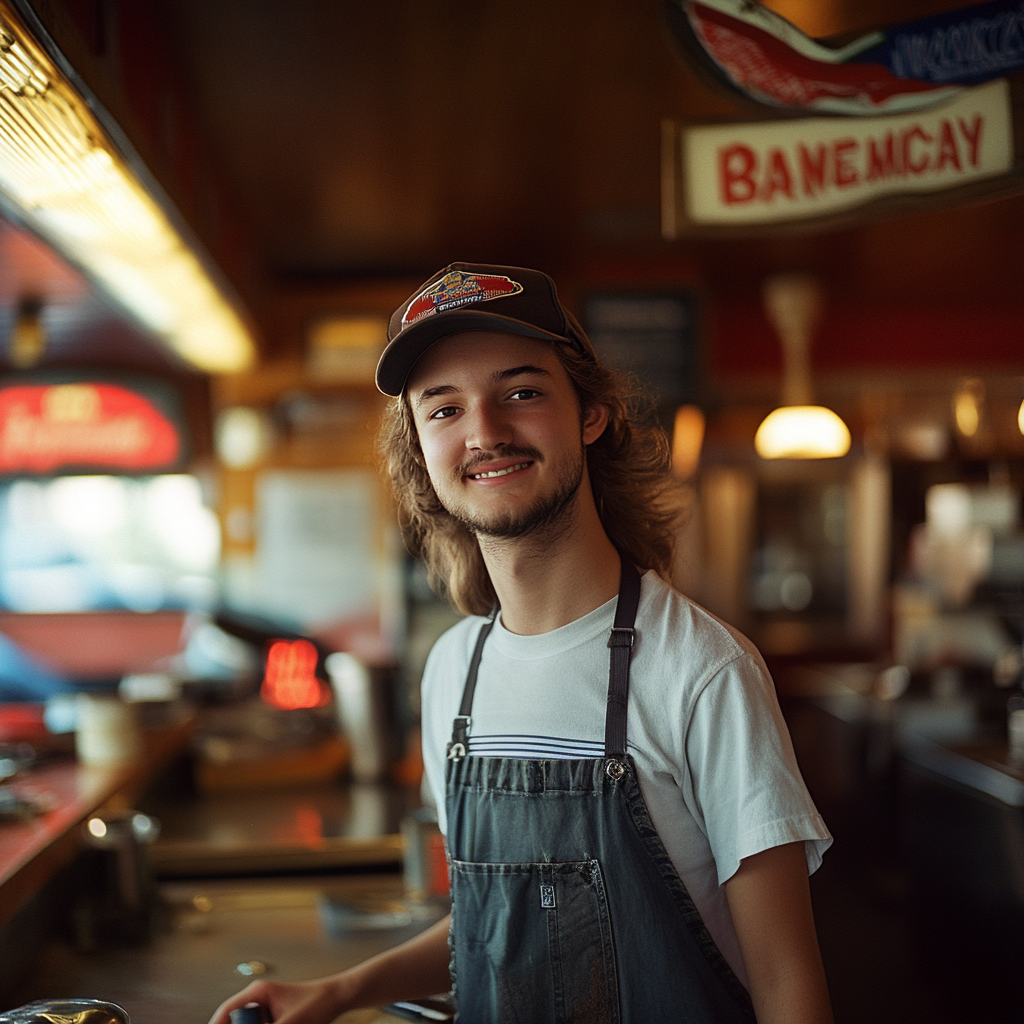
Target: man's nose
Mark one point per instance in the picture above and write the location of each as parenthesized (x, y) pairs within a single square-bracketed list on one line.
[(489, 428)]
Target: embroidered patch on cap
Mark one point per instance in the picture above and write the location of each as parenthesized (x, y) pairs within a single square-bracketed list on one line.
[(455, 289), (547, 896)]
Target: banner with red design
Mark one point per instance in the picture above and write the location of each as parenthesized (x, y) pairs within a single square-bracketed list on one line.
[(92, 426), (906, 67)]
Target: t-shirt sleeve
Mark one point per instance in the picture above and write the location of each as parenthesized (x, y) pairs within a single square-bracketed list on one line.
[(432, 695), (748, 789)]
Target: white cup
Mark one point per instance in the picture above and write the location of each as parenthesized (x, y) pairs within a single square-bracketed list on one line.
[(108, 731)]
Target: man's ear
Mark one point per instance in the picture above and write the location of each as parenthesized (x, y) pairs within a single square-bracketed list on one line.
[(595, 419)]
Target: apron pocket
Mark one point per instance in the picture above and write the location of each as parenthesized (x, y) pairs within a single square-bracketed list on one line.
[(532, 943)]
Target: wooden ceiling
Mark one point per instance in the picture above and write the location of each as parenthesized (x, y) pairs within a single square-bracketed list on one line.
[(402, 135)]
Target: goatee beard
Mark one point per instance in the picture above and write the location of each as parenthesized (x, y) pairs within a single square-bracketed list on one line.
[(545, 514)]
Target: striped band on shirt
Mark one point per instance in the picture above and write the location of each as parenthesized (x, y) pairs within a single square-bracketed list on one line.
[(534, 748)]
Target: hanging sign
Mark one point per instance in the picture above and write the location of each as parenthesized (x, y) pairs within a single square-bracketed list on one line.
[(759, 54), (91, 426), (824, 168)]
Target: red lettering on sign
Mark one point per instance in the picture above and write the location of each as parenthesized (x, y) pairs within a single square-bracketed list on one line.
[(973, 136), (947, 148), (918, 166), (778, 178), (882, 162), (812, 168), (846, 173), (736, 172)]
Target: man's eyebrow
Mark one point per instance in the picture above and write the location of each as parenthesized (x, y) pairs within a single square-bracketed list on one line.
[(429, 393), (520, 371), (527, 370)]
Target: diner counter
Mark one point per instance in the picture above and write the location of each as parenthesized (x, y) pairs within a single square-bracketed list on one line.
[(985, 765), (33, 850), (296, 928)]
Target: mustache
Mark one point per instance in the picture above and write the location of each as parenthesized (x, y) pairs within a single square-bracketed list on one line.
[(511, 452)]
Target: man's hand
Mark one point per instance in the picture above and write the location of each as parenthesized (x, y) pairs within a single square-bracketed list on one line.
[(417, 968), (306, 1002)]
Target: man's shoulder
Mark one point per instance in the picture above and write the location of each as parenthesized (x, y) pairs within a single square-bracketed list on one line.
[(678, 626)]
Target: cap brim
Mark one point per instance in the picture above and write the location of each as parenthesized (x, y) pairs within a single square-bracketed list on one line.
[(401, 355)]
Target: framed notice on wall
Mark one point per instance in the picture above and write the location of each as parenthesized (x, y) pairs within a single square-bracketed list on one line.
[(318, 553), (651, 334)]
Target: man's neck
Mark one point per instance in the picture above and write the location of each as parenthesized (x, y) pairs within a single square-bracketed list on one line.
[(544, 582)]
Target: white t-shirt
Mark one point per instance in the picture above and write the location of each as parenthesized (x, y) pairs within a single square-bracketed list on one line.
[(714, 758)]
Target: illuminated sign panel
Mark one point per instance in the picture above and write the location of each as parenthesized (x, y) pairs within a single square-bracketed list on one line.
[(55, 427), (816, 168)]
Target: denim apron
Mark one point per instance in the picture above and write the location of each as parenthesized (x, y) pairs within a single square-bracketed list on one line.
[(566, 908)]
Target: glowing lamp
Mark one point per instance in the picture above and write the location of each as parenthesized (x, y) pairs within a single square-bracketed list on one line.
[(687, 440), (1020, 417), (802, 432), (290, 681), (967, 407), (798, 429)]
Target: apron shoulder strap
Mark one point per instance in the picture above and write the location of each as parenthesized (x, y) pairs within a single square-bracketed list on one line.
[(621, 644), (460, 728)]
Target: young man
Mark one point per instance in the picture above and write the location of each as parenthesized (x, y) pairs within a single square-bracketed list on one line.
[(629, 835)]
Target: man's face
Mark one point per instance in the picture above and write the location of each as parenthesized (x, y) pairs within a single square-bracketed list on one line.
[(501, 431)]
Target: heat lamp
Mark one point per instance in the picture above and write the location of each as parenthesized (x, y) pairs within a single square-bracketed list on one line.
[(798, 429)]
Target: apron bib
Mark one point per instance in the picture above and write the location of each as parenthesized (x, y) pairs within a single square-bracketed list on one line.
[(566, 908)]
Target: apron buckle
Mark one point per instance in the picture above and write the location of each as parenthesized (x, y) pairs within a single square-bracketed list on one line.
[(614, 769), (622, 636), (456, 751)]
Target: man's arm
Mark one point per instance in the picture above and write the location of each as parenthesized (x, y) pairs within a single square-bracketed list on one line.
[(415, 969), (770, 903)]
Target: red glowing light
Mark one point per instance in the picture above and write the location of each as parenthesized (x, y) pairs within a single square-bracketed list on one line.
[(290, 680), (44, 428)]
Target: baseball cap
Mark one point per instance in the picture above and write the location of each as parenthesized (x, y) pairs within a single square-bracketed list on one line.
[(475, 297)]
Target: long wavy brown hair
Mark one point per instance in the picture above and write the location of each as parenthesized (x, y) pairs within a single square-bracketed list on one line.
[(629, 468)]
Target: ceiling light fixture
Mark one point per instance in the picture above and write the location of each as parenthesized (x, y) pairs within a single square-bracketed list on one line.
[(798, 430), (92, 200)]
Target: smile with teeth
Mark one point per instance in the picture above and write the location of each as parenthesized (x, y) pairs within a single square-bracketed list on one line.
[(498, 472)]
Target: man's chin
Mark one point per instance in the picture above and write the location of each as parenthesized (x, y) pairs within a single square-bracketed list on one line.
[(542, 517)]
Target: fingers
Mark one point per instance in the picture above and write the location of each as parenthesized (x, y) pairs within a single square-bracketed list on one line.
[(254, 993)]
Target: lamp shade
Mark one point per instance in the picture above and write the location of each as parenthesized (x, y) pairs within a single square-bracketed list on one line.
[(802, 432)]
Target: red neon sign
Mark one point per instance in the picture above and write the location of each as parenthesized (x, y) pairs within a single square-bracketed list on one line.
[(290, 680), (44, 428)]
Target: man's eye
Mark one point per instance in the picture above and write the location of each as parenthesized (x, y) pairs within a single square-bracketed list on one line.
[(524, 393), (443, 413)]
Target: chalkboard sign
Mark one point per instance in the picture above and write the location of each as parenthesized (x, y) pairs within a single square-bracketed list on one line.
[(652, 335)]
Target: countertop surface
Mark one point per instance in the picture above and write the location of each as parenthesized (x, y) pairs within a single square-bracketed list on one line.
[(299, 927)]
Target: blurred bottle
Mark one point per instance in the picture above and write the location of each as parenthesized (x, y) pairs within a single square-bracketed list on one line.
[(1015, 727)]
